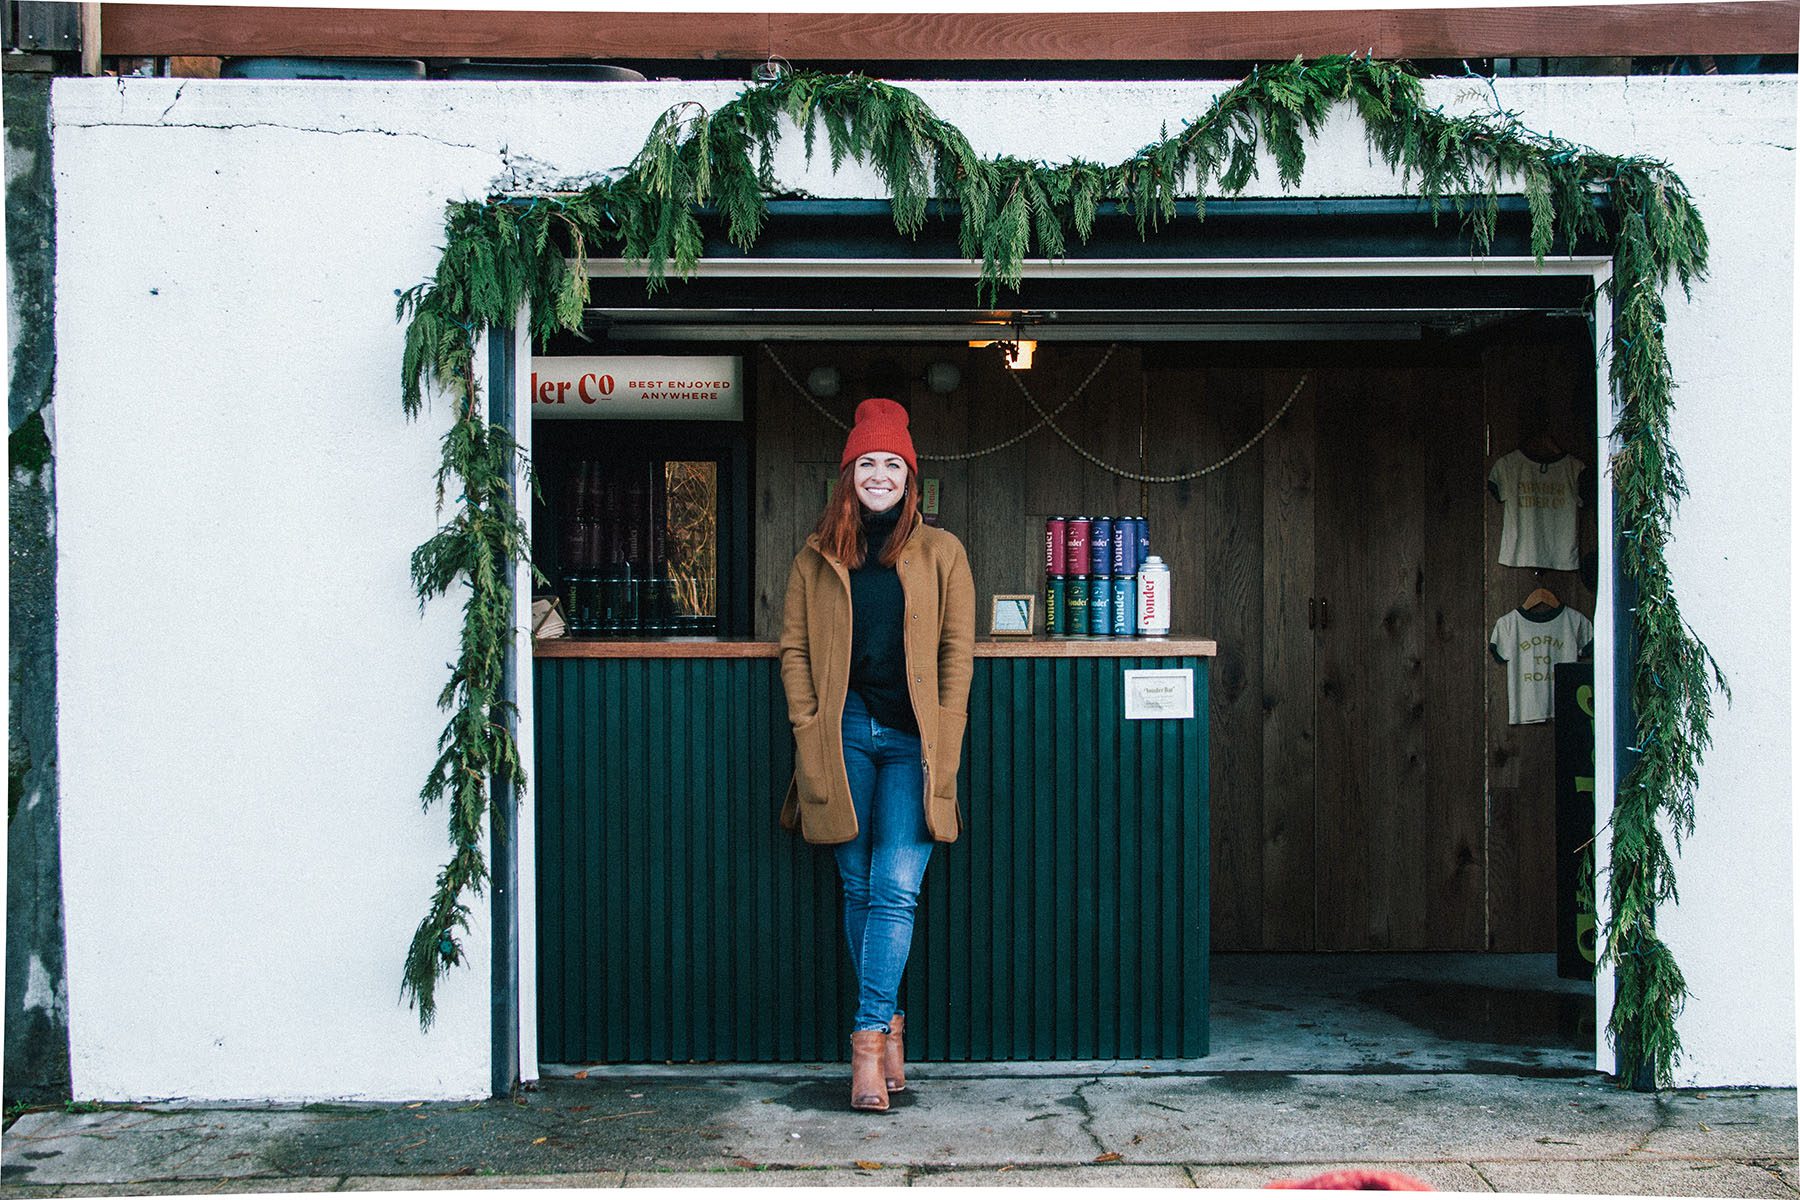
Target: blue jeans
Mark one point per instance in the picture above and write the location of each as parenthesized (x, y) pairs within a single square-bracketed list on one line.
[(882, 868)]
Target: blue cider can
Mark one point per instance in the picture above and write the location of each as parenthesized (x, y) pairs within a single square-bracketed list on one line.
[(1100, 551), (1143, 540), (1100, 594), (1124, 605), (1124, 546)]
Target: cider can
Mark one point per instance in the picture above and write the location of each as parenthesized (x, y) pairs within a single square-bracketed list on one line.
[(1075, 606), (1124, 605), (1153, 598), (1075, 560), (1056, 605), (1100, 552), (1056, 544), (1100, 605), (1124, 547)]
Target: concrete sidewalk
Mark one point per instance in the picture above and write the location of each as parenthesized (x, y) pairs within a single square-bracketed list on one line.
[(737, 1127)]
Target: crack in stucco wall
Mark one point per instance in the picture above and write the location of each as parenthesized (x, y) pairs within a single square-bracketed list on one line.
[(165, 112), (231, 125)]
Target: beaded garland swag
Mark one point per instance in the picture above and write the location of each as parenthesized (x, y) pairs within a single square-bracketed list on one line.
[(503, 251)]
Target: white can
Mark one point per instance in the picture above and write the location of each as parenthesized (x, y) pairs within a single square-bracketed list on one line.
[(1153, 598)]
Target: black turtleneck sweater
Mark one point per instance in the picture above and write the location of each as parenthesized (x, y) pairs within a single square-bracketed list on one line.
[(877, 621)]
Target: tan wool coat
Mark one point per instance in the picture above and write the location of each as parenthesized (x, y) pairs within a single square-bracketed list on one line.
[(815, 669)]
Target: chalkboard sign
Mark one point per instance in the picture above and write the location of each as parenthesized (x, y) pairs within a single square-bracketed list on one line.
[(1574, 716)]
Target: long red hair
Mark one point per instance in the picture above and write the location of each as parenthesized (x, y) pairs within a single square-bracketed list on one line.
[(840, 525)]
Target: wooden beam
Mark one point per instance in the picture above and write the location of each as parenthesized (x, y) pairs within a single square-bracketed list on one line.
[(1588, 30)]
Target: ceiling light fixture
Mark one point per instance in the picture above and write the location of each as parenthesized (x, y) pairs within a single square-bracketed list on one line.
[(1015, 351)]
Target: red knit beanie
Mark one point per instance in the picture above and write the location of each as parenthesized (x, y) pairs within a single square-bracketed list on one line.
[(880, 425)]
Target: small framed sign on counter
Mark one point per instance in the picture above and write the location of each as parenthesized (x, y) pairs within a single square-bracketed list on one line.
[(1012, 616), (1159, 695)]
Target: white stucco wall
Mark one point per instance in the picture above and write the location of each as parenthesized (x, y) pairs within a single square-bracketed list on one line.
[(246, 685)]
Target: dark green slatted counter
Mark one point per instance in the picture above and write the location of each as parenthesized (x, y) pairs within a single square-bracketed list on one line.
[(677, 921)]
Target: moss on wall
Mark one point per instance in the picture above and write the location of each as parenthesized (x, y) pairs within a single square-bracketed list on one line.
[(37, 1018)]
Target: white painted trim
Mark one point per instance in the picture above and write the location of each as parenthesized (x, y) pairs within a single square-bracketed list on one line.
[(525, 827), (1136, 268), (737, 329)]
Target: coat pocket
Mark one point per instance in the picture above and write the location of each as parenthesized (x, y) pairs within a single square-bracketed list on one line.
[(812, 761)]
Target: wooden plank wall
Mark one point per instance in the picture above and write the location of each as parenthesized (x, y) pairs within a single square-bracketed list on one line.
[(1287, 918), (1235, 540), (1398, 540), (1455, 880)]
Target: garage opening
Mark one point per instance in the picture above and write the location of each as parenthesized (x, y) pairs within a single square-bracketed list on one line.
[(1398, 868)]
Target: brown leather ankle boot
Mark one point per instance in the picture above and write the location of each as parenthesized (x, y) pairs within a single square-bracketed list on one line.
[(894, 1064), (868, 1090)]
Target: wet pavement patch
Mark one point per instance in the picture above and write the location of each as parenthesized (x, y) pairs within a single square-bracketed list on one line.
[(1465, 1012), (1245, 1082), (611, 1124)]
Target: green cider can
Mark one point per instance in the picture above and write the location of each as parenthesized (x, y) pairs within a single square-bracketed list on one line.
[(1075, 606), (1056, 603)]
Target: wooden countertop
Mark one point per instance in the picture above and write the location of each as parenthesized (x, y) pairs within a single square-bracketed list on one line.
[(1035, 647)]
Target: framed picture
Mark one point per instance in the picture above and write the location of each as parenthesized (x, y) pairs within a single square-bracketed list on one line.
[(1012, 616), (1165, 695)]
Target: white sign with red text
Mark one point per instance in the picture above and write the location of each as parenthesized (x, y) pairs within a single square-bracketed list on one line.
[(632, 387)]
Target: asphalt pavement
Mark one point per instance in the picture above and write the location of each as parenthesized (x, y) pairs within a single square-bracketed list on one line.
[(791, 1126)]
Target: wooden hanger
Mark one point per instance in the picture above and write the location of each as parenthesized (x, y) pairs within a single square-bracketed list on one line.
[(1543, 596)]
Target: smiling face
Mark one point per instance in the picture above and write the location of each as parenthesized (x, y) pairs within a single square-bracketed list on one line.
[(880, 480)]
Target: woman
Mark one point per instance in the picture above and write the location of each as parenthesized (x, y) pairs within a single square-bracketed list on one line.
[(877, 651)]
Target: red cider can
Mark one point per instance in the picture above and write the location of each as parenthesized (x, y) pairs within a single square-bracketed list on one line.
[(1076, 546), (1056, 532)]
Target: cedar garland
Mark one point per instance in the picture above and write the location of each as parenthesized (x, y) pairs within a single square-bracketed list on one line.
[(499, 253)]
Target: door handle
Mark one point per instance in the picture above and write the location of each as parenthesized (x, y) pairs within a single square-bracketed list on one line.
[(1324, 614), (1312, 612)]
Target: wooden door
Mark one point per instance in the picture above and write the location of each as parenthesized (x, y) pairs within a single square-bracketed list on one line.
[(1397, 551)]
